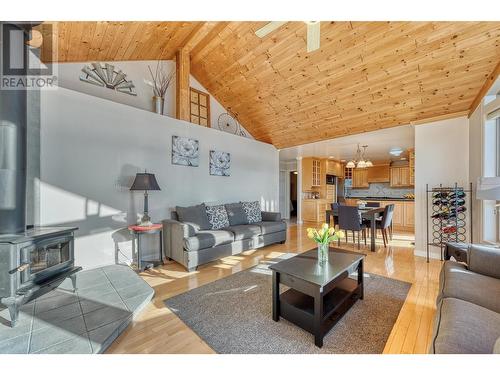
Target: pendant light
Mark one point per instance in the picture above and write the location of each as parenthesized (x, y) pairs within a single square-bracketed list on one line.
[(360, 161)]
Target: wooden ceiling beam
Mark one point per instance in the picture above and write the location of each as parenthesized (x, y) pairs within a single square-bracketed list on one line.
[(197, 35), (490, 80), (182, 102)]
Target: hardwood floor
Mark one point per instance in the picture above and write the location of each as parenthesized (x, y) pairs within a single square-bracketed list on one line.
[(158, 330)]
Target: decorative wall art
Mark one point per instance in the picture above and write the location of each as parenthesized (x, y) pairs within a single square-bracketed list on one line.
[(220, 163), (107, 76), (228, 123), (185, 151)]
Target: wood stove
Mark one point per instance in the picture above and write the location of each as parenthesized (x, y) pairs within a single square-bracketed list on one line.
[(33, 263), (34, 260)]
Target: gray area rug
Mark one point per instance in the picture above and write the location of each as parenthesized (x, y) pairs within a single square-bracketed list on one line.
[(233, 315)]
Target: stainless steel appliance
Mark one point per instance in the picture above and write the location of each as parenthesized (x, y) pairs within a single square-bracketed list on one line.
[(330, 179), (340, 190)]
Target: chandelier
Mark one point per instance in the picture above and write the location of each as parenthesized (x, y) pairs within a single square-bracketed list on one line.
[(360, 161)]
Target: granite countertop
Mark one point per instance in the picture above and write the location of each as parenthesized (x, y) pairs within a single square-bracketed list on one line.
[(383, 199)]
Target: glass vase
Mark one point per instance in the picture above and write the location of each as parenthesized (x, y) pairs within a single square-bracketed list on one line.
[(323, 253)]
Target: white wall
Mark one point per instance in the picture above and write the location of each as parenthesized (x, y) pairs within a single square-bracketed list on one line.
[(476, 136), (68, 75), (91, 149), (441, 157)]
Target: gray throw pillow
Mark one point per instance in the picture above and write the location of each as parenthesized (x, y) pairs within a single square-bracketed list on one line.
[(217, 216), (252, 210), (236, 214), (194, 215)]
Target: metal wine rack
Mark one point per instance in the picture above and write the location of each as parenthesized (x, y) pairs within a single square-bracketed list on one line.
[(449, 209)]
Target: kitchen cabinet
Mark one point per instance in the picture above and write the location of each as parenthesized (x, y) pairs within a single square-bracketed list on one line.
[(347, 172), (403, 217), (378, 173), (330, 193), (311, 173), (411, 157), (314, 210), (400, 177), (409, 215), (360, 178), (334, 168)]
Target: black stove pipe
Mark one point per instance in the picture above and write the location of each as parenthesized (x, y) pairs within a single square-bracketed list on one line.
[(13, 113)]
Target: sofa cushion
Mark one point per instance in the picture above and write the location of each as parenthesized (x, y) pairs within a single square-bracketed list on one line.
[(208, 238), (462, 327), (252, 210), (271, 226), (194, 215), (242, 232), (458, 282), (236, 214), (217, 217)]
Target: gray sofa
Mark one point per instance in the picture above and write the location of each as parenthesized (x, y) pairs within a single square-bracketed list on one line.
[(468, 305), (191, 241)]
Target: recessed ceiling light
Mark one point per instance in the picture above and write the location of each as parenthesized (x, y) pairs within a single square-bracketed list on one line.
[(396, 151)]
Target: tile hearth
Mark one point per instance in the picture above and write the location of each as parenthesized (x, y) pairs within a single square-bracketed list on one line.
[(88, 321)]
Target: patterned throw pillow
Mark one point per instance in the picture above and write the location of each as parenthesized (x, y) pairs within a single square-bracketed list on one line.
[(217, 216), (252, 209)]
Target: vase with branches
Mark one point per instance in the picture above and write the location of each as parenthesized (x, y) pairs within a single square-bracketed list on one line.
[(160, 82)]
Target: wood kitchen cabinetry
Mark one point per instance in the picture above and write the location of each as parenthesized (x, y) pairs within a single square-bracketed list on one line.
[(411, 157), (403, 217), (360, 178), (334, 168), (400, 177), (311, 173), (314, 210), (379, 173)]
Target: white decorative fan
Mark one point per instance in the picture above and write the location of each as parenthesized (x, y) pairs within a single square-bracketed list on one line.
[(106, 76), (229, 124), (313, 32)]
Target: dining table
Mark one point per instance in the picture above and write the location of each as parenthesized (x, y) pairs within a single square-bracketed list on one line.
[(368, 213)]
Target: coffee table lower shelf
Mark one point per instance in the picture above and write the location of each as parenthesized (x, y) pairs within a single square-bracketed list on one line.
[(298, 307)]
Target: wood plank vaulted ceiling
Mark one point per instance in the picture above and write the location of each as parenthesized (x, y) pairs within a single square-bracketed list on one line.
[(365, 76)]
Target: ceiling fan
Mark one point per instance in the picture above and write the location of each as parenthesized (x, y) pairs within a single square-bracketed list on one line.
[(313, 30)]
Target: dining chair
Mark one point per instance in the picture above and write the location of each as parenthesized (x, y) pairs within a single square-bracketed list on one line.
[(386, 223), (334, 207), (350, 220)]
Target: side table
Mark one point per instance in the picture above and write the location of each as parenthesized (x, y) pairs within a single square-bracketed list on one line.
[(138, 231)]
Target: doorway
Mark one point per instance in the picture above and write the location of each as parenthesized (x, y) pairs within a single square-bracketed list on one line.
[(293, 195)]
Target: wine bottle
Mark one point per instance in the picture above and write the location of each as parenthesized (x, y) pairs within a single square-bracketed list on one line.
[(456, 194), (440, 202), (440, 194), (457, 202)]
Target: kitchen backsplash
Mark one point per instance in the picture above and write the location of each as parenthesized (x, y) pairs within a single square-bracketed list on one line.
[(378, 190)]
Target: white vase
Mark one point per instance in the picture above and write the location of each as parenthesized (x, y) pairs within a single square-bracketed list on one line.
[(158, 104)]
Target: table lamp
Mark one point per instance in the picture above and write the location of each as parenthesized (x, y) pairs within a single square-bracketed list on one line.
[(145, 181)]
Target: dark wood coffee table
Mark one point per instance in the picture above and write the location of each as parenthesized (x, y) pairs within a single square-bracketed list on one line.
[(319, 295)]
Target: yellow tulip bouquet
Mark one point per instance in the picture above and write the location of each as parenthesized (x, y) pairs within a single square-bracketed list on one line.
[(323, 237)]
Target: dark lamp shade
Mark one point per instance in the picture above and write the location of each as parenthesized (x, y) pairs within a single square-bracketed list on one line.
[(145, 181)]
